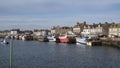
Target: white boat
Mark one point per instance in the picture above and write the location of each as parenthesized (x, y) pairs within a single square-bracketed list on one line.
[(51, 38), (81, 40), (4, 42)]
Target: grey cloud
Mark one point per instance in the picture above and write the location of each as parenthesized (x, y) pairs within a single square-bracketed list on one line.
[(56, 12), (51, 5)]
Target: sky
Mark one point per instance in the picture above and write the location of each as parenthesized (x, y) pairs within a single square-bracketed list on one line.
[(43, 14)]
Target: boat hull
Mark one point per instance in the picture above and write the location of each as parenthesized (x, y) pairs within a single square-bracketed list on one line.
[(51, 39), (81, 40), (43, 40), (67, 40)]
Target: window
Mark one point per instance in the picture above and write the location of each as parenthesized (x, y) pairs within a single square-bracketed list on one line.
[(119, 29), (110, 30)]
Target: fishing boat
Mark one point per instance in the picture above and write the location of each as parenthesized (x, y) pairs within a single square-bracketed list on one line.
[(27, 37), (67, 39)]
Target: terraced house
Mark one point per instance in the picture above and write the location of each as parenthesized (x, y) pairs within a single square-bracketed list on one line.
[(95, 29), (78, 28), (114, 29)]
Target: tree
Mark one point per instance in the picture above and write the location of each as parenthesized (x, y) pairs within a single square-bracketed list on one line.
[(106, 23)]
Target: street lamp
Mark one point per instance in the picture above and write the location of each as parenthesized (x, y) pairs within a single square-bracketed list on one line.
[(11, 51)]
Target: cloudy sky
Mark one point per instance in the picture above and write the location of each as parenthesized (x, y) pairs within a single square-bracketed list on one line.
[(37, 14)]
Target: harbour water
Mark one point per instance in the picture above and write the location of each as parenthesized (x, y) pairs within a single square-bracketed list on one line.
[(34, 54)]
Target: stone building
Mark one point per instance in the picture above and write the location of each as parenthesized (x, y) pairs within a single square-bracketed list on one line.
[(15, 31), (78, 28), (42, 32), (114, 29), (60, 30)]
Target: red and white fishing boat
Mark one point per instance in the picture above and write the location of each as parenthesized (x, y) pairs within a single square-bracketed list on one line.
[(67, 39)]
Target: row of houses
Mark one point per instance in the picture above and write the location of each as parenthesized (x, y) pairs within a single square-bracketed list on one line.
[(23, 32), (106, 29), (82, 29), (114, 29)]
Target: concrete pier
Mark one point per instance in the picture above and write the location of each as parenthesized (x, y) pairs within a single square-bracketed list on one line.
[(93, 43), (109, 42)]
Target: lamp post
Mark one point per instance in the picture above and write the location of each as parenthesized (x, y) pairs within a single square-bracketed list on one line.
[(11, 51)]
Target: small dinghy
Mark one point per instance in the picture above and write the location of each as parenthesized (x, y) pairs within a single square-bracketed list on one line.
[(4, 42)]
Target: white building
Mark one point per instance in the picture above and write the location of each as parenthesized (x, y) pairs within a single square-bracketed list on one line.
[(95, 29), (41, 32), (114, 30), (14, 31)]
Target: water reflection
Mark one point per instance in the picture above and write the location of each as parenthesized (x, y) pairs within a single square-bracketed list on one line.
[(34, 54)]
